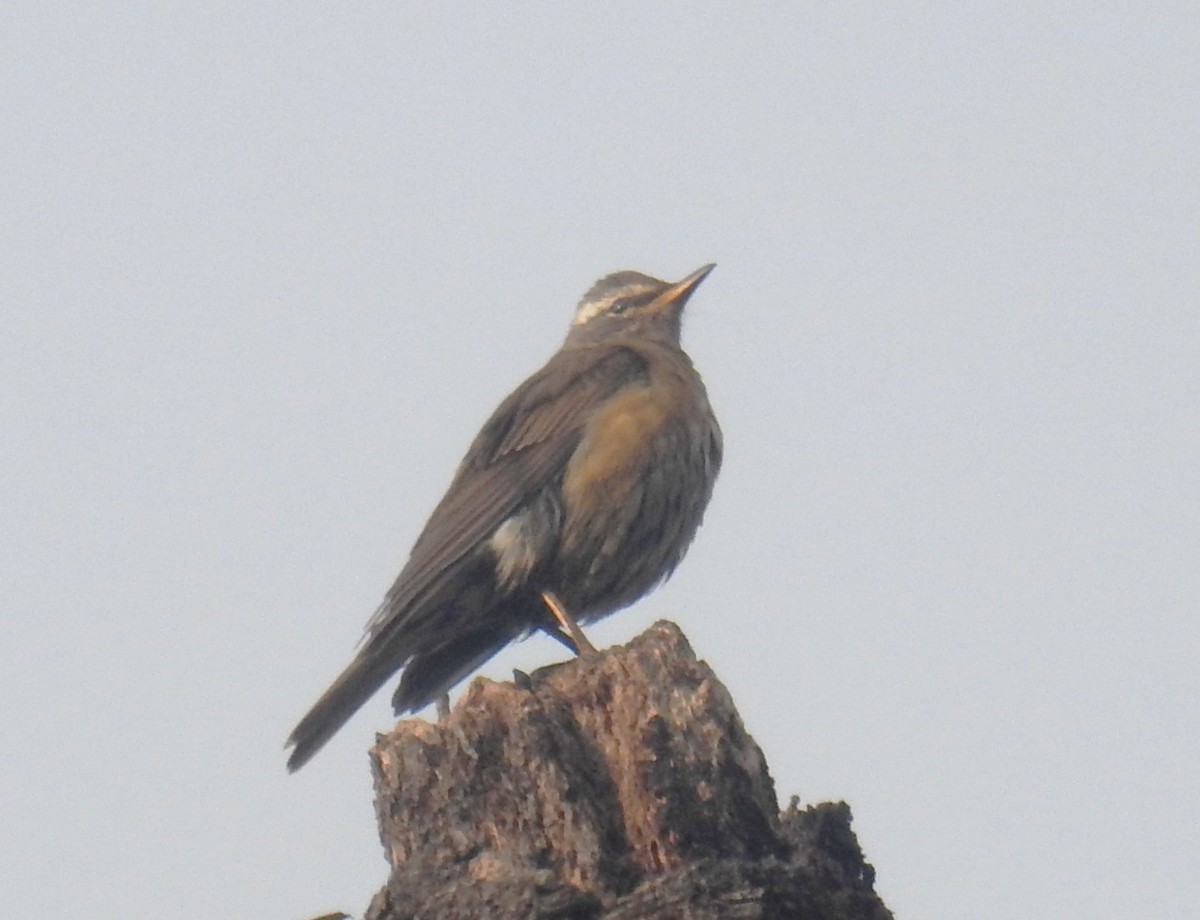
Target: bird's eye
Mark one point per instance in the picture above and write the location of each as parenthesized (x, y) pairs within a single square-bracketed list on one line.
[(621, 305)]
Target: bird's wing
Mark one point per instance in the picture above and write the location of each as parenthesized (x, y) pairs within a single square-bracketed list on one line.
[(522, 447)]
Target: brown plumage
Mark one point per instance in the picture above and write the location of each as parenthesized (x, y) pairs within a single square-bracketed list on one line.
[(587, 484)]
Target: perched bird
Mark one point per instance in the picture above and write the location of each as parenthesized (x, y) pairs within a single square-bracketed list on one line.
[(581, 493)]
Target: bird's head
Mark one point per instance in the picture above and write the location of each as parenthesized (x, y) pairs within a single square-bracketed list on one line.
[(628, 301)]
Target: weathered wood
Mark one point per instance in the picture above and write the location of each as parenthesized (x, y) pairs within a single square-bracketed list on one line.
[(617, 786)]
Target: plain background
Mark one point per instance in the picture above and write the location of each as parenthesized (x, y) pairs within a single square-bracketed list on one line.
[(266, 269)]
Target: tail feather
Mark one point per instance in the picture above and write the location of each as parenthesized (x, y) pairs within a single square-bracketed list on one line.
[(430, 674), (345, 696), (439, 645)]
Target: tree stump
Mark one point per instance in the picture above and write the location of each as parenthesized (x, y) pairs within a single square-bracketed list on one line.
[(612, 787)]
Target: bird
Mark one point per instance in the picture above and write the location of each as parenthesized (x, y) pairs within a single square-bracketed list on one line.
[(580, 494)]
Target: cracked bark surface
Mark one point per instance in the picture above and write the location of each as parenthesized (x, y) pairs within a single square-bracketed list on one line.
[(613, 787)]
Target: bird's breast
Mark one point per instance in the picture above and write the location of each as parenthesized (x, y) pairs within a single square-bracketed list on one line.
[(618, 445), (653, 435), (615, 446), (634, 490)]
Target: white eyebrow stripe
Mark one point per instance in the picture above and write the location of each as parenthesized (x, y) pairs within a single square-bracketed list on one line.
[(589, 311)]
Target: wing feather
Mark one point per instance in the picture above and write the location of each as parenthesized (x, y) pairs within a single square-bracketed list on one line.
[(522, 447)]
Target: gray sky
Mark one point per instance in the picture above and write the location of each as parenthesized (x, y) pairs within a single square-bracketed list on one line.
[(267, 270)]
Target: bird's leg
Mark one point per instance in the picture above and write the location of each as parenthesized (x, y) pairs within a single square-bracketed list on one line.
[(555, 632), (583, 648), (443, 707)]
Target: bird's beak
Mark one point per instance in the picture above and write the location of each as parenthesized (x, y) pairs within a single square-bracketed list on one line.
[(679, 292)]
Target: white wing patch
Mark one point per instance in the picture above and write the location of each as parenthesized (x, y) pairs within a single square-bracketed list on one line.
[(515, 549)]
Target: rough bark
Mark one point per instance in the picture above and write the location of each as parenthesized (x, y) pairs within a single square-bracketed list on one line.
[(618, 786)]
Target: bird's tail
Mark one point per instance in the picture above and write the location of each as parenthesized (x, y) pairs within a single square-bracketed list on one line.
[(433, 672), (353, 687)]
